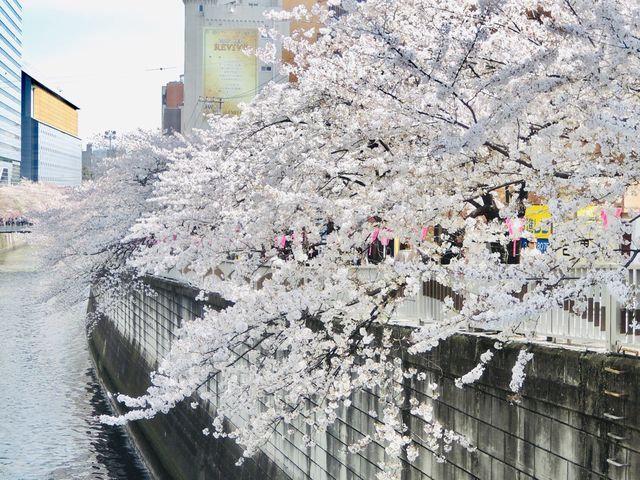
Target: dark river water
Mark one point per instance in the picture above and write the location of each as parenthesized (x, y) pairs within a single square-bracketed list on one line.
[(49, 395)]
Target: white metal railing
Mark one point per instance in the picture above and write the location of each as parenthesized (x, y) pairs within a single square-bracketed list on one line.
[(604, 324)]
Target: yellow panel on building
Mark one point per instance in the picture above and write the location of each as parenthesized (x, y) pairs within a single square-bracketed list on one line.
[(49, 109)]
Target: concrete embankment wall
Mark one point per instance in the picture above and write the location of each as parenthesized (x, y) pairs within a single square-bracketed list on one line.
[(559, 430), (11, 240), (173, 445)]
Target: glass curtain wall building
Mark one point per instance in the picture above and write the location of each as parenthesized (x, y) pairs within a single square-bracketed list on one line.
[(10, 89)]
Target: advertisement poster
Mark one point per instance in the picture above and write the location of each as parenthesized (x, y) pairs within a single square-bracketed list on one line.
[(537, 221), (230, 76)]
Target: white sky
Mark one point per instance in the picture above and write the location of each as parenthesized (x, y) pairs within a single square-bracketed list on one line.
[(104, 55)]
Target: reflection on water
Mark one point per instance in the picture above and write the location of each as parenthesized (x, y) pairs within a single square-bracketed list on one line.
[(49, 395)]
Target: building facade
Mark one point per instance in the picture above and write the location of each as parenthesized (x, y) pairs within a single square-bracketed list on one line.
[(51, 149), (10, 84), (218, 75), (172, 103)]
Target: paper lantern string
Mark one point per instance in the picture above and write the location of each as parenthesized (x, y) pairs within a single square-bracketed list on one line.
[(374, 237), (605, 218), (515, 227)]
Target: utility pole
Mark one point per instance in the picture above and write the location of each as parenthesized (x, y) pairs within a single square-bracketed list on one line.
[(212, 105), (111, 136)]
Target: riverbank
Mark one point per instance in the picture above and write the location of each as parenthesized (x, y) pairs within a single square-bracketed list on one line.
[(9, 241)]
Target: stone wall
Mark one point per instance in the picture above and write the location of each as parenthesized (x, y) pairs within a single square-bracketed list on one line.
[(558, 431)]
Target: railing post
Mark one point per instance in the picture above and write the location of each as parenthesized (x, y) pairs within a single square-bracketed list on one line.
[(613, 320), (420, 301)]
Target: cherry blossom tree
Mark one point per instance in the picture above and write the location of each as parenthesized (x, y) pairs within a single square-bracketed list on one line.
[(406, 115), (82, 236)]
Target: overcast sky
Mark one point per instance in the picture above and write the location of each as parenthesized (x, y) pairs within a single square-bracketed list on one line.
[(104, 56)]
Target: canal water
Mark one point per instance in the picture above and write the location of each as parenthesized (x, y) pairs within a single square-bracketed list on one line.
[(49, 396)]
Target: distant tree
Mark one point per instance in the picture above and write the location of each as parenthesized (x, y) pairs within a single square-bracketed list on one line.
[(416, 112), (27, 198), (87, 173)]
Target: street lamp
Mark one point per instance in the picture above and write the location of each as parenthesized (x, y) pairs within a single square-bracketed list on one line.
[(111, 136)]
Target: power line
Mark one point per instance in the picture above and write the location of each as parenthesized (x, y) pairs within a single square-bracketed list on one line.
[(54, 79), (193, 112), (220, 100), (160, 69), (253, 90)]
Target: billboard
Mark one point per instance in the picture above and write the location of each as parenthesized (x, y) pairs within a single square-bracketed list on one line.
[(230, 75)]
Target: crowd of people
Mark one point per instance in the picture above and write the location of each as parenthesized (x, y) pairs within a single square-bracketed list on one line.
[(381, 244), (15, 222)]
